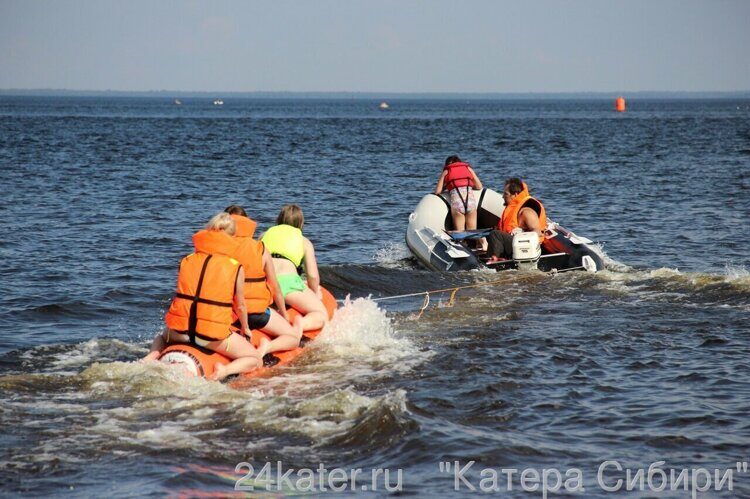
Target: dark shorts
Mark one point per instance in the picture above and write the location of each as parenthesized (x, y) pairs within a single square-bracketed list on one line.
[(500, 244), (259, 321), (256, 321)]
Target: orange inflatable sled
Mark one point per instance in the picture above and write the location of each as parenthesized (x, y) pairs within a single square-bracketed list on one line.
[(201, 362)]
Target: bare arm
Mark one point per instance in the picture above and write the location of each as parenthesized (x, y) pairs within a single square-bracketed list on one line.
[(278, 298), (311, 268), (239, 301), (439, 186), (477, 182), (528, 220)]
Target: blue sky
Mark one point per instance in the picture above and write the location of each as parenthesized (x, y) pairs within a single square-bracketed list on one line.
[(385, 46)]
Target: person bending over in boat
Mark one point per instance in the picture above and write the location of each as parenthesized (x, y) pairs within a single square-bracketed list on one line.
[(260, 279), (210, 286), (459, 179), (290, 251), (522, 213)]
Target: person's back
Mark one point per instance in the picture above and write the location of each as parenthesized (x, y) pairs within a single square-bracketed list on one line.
[(286, 245), (291, 252), (261, 289), (209, 290), (459, 179)]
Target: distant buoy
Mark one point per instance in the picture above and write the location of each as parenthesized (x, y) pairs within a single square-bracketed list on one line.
[(177, 102), (620, 104), (384, 105)]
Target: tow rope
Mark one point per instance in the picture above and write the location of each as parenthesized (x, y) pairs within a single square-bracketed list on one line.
[(453, 291)]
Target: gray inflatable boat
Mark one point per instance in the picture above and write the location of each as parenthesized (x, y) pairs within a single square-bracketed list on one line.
[(431, 239)]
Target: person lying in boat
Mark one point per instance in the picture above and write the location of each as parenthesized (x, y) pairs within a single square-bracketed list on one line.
[(291, 251), (522, 213), (210, 286), (262, 287), (459, 179)]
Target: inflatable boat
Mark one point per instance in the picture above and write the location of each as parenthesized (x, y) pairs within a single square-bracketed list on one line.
[(199, 361), (431, 239)]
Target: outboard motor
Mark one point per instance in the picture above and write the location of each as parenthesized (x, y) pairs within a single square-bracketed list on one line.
[(526, 250)]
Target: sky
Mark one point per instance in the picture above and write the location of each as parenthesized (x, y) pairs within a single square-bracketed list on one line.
[(376, 46)]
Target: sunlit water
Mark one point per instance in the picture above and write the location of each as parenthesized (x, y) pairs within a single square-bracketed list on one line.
[(646, 361)]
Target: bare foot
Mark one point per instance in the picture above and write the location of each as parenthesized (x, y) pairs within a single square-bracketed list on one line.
[(151, 357), (263, 347), (220, 372)]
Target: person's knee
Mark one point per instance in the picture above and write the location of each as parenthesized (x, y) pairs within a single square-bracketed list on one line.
[(323, 315)]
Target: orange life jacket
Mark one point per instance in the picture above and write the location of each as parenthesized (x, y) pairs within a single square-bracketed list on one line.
[(257, 293), (245, 227), (202, 305), (509, 219)]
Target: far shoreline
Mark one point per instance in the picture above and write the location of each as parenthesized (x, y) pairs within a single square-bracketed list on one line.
[(378, 96)]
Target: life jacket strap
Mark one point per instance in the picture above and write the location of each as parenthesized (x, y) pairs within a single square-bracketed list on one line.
[(203, 300), (255, 279), (193, 317), (279, 255)]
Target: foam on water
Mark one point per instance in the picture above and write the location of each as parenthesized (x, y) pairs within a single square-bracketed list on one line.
[(151, 404), (157, 405), (391, 253), (69, 359), (730, 289), (737, 273), (360, 331)]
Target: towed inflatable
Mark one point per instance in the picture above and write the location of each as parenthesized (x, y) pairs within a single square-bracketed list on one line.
[(431, 240), (199, 361)]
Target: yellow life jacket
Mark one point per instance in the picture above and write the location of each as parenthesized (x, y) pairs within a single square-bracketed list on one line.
[(285, 241)]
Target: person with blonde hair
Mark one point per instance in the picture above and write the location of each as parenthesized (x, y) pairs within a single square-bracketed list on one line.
[(291, 252), (210, 287)]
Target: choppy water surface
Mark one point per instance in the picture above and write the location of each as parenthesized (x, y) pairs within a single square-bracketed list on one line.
[(644, 362)]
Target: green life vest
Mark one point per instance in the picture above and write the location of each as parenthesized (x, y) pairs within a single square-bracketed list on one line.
[(285, 241)]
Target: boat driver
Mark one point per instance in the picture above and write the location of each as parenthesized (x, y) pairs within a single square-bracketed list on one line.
[(522, 213)]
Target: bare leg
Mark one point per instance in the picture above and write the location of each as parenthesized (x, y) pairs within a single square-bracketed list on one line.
[(471, 220), (287, 335), (459, 221), (315, 315), (156, 347), (237, 366), (237, 347)]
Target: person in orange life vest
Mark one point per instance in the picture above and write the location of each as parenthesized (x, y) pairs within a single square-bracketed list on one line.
[(291, 251), (262, 288), (522, 213), (459, 179), (245, 226), (210, 286)]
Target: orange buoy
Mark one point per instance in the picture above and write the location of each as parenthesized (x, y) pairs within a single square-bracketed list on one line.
[(620, 104)]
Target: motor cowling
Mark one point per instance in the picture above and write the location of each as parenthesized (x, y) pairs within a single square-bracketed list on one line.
[(526, 248)]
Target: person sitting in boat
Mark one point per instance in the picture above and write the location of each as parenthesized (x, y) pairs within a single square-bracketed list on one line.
[(459, 179), (210, 286), (260, 280), (291, 251), (522, 213)]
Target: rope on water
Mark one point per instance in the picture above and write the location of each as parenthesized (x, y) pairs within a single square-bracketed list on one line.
[(424, 306), (453, 290)]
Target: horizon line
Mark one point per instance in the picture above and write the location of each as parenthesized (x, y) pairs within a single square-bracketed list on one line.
[(369, 93)]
